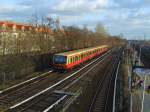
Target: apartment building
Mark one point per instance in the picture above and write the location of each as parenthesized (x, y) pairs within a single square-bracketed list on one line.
[(11, 33)]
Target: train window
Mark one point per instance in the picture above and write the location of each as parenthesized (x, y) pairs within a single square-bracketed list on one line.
[(81, 56), (68, 60), (74, 59), (71, 60), (59, 59), (78, 57)]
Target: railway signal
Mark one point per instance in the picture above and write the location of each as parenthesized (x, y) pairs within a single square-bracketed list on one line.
[(143, 72)]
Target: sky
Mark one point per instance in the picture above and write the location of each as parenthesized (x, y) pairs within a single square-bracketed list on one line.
[(128, 17)]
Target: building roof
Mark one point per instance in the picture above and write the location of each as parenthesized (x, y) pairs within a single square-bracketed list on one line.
[(70, 53), (26, 27), (9, 23)]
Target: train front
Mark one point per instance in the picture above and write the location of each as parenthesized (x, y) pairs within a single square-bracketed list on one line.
[(59, 62)]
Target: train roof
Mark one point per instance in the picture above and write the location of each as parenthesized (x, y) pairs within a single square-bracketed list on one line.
[(69, 53)]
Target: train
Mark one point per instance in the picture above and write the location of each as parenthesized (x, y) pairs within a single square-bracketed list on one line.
[(71, 59)]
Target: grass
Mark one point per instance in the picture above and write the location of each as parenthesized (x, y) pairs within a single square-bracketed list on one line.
[(3, 86), (35, 74)]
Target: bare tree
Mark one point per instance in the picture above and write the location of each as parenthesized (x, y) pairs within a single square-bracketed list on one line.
[(50, 22)]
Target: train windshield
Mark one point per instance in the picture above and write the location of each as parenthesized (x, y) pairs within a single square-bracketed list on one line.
[(59, 59)]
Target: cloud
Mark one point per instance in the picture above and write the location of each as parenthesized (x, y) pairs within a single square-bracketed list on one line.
[(131, 3), (79, 6), (119, 16), (7, 9)]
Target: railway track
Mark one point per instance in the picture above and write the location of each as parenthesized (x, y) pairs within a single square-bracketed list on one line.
[(103, 99), (11, 97), (48, 96), (24, 83)]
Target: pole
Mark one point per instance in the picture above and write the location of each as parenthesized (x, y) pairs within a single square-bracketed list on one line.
[(140, 57), (143, 93), (134, 57)]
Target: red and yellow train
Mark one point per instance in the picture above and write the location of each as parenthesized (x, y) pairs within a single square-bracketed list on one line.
[(68, 60)]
